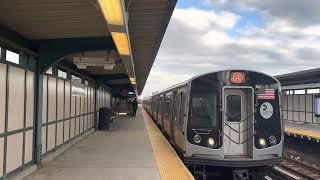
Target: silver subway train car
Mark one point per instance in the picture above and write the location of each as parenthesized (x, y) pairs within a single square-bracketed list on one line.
[(229, 119)]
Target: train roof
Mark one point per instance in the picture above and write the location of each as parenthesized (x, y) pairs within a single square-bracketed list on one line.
[(211, 72)]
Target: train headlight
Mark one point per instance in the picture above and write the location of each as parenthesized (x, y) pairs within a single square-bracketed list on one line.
[(272, 140), (197, 138), (211, 142), (262, 143)]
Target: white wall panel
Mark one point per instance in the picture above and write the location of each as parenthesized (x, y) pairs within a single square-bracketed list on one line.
[(290, 107), (16, 98), (59, 133), (3, 69), (60, 96), (51, 136), (30, 99), (52, 116), (66, 130), (302, 105), (14, 151), (67, 100), (78, 105), (81, 124), (44, 100), (309, 103), (44, 139), (1, 155), (72, 124), (28, 146), (76, 127), (73, 106)]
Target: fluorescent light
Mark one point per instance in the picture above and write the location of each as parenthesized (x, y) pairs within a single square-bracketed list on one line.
[(112, 11), (121, 41)]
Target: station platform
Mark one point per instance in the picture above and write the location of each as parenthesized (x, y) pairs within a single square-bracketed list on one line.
[(133, 149), (303, 130)]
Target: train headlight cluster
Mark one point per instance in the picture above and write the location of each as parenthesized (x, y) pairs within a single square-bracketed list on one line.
[(272, 140), (262, 143), (211, 142), (197, 138)]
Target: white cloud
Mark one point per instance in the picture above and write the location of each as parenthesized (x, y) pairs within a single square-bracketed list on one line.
[(197, 41)]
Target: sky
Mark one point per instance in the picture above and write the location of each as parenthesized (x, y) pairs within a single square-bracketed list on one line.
[(274, 37)]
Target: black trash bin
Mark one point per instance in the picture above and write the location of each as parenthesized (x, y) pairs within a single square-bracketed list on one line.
[(104, 118)]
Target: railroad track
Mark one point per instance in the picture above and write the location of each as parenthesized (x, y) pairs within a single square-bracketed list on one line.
[(291, 168)]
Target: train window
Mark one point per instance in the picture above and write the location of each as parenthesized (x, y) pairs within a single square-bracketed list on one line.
[(203, 110), (233, 108)]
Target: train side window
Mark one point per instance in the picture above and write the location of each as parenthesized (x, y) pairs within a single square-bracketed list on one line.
[(233, 105)]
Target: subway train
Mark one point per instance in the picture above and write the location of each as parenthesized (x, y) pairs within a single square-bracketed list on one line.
[(227, 120)]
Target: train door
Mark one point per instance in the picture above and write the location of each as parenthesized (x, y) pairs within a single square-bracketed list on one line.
[(178, 128), (175, 114), (238, 120)]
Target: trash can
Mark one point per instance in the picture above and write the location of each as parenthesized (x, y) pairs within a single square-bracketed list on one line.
[(104, 118)]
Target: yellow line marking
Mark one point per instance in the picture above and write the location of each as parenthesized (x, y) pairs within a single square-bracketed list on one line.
[(169, 164), (303, 133)]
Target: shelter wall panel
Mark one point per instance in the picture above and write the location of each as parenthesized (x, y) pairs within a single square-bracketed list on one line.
[(295, 102), (44, 99), (290, 106), (309, 103), (59, 133), (16, 98), (285, 115), (60, 97), (1, 155), (81, 124), (284, 102), (76, 127), (30, 99), (290, 116), (309, 117), (44, 139), (51, 136), (66, 130), (28, 146), (78, 105), (52, 85), (67, 100), (3, 71), (72, 126), (14, 151), (73, 106)]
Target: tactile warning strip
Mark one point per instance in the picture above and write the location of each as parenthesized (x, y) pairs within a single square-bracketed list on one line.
[(169, 164), (291, 131)]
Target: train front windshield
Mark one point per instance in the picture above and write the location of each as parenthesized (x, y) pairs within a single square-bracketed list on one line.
[(204, 117)]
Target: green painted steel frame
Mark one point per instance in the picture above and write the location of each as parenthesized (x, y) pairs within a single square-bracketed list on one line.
[(28, 64)]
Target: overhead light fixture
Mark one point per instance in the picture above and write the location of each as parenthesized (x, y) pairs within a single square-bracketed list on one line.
[(121, 41), (112, 11), (84, 62)]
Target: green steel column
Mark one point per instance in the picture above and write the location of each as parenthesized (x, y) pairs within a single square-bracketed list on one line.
[(38, 120)]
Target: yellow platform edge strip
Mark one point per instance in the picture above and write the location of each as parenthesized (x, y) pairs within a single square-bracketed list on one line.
[(169, 164), (302, 133)]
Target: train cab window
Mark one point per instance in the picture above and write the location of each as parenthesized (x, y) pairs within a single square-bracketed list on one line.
[(204, 110), (233, 107)]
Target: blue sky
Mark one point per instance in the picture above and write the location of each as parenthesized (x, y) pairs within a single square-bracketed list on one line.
[(207, 35)]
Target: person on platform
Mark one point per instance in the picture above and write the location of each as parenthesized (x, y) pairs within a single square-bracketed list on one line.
[(134, 104)]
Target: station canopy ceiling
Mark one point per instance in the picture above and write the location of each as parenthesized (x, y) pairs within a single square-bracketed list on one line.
[(145, 22)]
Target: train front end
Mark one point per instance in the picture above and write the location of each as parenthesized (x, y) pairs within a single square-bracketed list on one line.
[(234, 120)]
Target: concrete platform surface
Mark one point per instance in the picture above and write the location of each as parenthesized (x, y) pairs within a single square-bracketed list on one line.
[(124, 153)]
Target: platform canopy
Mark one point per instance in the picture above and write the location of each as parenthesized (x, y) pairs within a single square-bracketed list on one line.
[(113, 41)]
